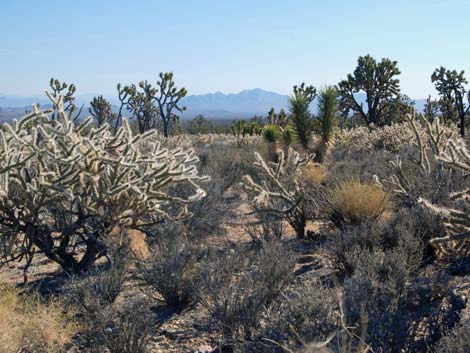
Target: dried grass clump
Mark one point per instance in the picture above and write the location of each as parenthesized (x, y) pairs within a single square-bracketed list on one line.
[(29, 325), (313, 173), (352, 202)]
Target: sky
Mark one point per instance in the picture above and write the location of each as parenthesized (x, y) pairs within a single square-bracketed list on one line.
[(227, 46)]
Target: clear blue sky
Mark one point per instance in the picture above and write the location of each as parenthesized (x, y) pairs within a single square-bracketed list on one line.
[(224, 45)]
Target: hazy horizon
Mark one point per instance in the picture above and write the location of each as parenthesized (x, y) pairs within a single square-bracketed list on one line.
[(225, 46)]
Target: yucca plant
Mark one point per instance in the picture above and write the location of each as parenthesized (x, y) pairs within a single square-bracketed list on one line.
[(288, 136), (301, 118), (327, 120), (272, 134)]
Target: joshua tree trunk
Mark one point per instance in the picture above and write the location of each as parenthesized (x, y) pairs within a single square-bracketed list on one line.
[(166, 128), (462, 125)]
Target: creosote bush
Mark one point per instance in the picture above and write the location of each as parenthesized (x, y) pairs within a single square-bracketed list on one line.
[(353, 201), (32, 326)]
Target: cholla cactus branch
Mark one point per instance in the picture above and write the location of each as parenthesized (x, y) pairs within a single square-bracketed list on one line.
[(59, 179), (398, 179), (422, 161), (274, 195), (430, 138), (456, 156), (451, 152)]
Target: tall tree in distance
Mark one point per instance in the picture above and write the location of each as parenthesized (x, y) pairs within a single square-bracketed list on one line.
[(395, 110), (199, 125), (67, 91), (300, 115), (279, 119), (101, 110), (168, 98), (379, 83), (431, 109), (309, 92), (150, 104), (450, 85), (139, 104)]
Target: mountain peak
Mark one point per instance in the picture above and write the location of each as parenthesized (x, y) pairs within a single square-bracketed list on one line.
[(243, 104)]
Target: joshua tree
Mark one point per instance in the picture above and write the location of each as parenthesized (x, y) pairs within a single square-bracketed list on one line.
[(200, 125), (67, 91), (102, 112), (309, 92), (150, 104), (450, 85), (327, 120), (431, 109), (395, 110), (280, 119), (139, 104), (65, 186), (378, 81), (239, 130), (168, 99), (258, 120)]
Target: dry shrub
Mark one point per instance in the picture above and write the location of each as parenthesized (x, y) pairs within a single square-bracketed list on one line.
[(30, 325), (304, 314), (313, 173), (240, 284), (456, 340), (393, 308), (98, 289), (128, 331), (352, 202), (173, 269)]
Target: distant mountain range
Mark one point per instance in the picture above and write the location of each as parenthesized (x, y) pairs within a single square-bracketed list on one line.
[(242, 105)]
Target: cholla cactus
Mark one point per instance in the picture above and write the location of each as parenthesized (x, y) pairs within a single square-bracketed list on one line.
[(449, 151), (457, 222), (431, 139), (65, 185), (281, 193)]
